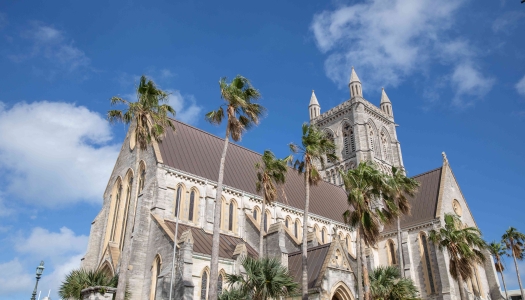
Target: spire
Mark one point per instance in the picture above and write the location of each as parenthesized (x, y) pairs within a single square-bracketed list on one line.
[(384, 97), (314, 108), (353, 76), (313, 99)]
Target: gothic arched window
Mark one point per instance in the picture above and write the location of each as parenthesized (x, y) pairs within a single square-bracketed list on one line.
[(116, 210), (126, 211), (385, 142), (178, 199), (348, 140), (427, 264), (142, 176), (296, 229), (191, 207), (155, 271), (329, 135), (219, 285), (204, 285), (230, 215), (391, 253)]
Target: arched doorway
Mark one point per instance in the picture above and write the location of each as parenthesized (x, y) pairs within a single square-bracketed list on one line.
[(340, 291)]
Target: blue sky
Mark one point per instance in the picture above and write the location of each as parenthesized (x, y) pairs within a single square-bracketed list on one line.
[(454, 71)]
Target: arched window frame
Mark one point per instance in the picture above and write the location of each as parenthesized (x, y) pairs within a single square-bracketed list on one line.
[(386, 145), (229, 216), (372, 134), (330, 135), (256, 214), (191, 211), (428, 270), (348, 139), (204, 284), (124, 210), (180, 196), (268, 220), (324, 236), (297, 229), (348, 240), (221, 283), (317, 231), (156, 267), (115, 209), (391, 252), (288, 222), (142, 176)]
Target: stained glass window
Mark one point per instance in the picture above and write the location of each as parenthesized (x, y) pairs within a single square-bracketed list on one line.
[(192, 205)]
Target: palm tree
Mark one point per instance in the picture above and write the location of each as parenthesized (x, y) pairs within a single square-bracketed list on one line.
[(364, 186), (270, 172), (463, 244), (514, 240), (79, 279), (266, 278), (149, 115), (400, 187), (241, 113), (232, 294), (386, 283), (315, 146), (498, 250)]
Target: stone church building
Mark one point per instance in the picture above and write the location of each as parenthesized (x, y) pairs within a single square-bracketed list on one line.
[(183, 169)]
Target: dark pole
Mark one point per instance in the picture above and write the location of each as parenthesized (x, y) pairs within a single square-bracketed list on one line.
[(39, 271)]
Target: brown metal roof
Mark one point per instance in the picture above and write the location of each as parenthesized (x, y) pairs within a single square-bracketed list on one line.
[(202, 241), (197, 152), (315, 260), (424, 203)]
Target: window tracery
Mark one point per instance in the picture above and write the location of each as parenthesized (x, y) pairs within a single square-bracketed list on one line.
[(204, 285), (348, 140), (392, 259), (427, 269)]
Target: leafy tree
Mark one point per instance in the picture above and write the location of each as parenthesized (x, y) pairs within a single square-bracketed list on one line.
[(463, 244), (149, 116), (315, 146), (241, 113), (386, 283), (514, 240), (265, 279), (232, 294), (497, 250), (365, 186), (80, 279), (270, 172), (399, 187)]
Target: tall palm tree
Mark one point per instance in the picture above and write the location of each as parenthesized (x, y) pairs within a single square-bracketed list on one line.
[(386, 283), (150, 116), (266, 278), (400, 187), (80, 279), (364, 186), (270, 172), (514, 240), (315, 146), (497, 250), (241, 113), (463, 244)]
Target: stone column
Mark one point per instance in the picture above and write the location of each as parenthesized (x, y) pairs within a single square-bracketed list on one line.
[(275, 243), (185, 283)]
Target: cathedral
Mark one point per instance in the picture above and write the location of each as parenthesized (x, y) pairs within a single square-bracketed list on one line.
[(180, 174)]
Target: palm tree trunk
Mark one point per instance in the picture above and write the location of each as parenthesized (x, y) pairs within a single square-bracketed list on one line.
[(517, 272), (305, 233), (214, 264), (401, 262), (359, 267), (262, 230), (462, 294), (126, 255), (504, 285), (366, 279)]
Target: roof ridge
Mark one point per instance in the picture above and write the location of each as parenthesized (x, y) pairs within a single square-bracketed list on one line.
[(427, 172), (215, 136), (311, 248)]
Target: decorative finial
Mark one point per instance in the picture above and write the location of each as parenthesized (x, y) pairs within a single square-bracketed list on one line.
[(445, 159)]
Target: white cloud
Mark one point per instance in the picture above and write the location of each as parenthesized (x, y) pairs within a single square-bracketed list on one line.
[(388, 41), (61, 252), (470, 83), (165, 73), (52, 44), (54, 245), (185, 106), (507, 22), (55, 153), (14, 278), (520, 86)]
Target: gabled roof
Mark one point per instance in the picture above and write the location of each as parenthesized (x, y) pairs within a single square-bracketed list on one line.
[(202, 241), (197, 152), (424, 202), (315, 259)]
